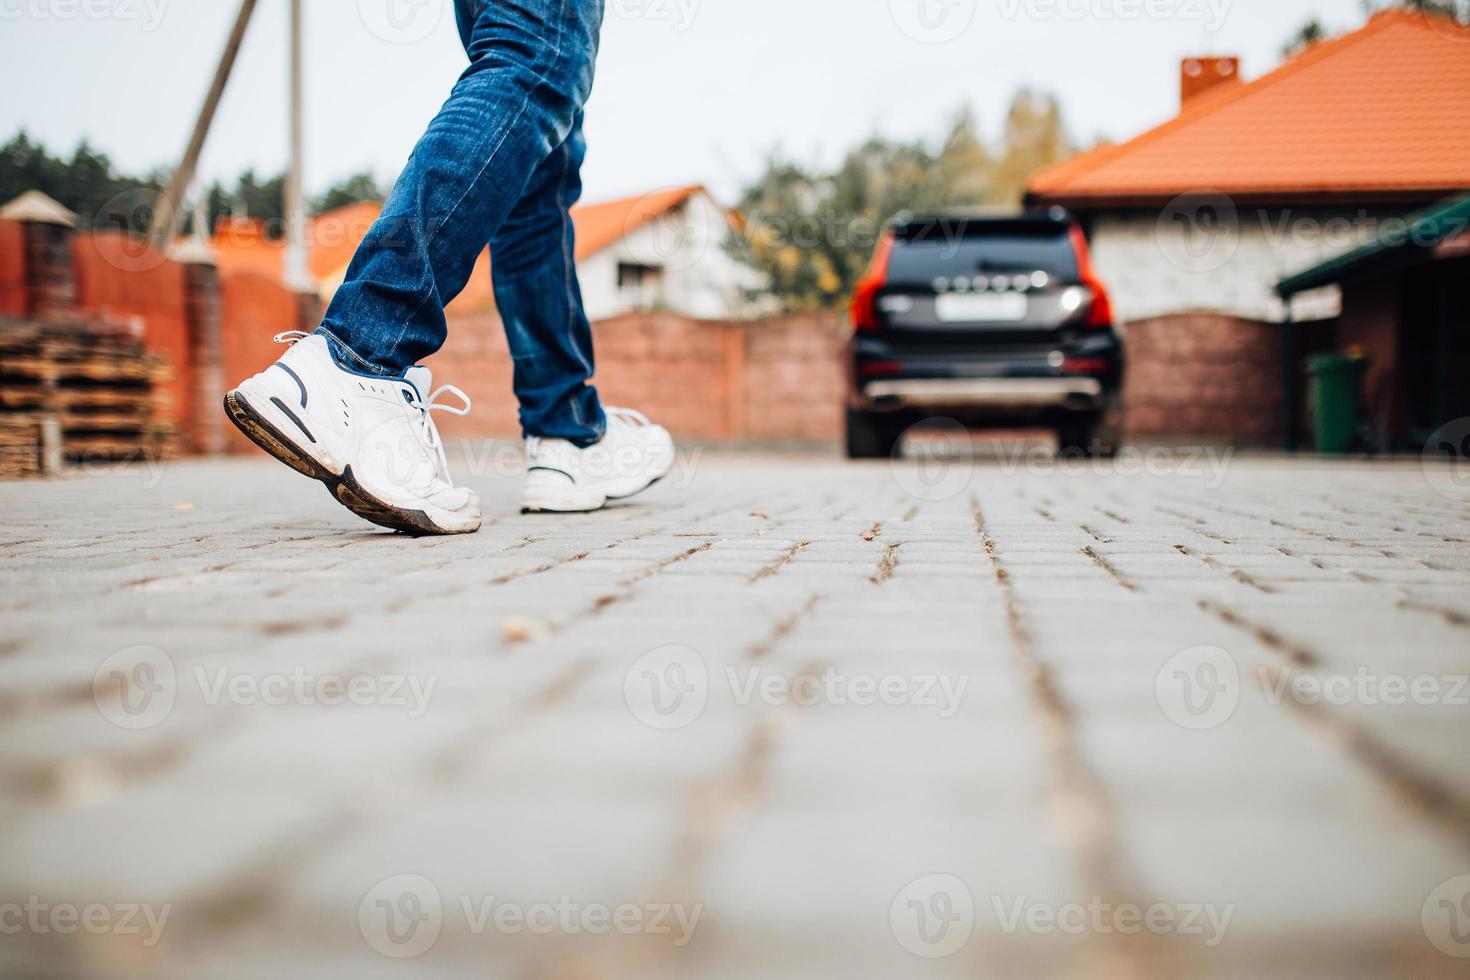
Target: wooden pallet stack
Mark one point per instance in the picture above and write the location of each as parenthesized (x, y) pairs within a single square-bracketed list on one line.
[(78, 393)]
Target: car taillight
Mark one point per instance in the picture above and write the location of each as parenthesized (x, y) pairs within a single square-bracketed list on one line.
[(1084, 365), (1100, 314), (864, 309)]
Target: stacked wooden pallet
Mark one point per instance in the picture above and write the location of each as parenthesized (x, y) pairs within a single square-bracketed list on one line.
[(95, 389)]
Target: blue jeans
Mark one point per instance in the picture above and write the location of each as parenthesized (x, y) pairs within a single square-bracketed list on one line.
[(500, 165)]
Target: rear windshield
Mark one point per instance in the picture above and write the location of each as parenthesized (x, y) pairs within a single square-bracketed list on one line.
[(921, 261)]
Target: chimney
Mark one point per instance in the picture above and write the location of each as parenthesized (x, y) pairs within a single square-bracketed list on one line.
[(1200, 75)]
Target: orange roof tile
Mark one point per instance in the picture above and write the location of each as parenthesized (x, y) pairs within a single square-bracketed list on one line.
[(600, 225), (1384, 109), (241, 244)]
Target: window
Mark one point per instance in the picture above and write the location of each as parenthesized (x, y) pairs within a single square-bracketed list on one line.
[(641, 286)]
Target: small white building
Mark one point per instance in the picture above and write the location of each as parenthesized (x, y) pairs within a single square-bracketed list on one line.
[(665, 250), (662, 251)]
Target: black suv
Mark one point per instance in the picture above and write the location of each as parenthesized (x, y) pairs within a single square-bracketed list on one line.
[(989, 319)]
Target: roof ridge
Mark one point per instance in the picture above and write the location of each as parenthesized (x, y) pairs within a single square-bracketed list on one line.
[(1207, 104)]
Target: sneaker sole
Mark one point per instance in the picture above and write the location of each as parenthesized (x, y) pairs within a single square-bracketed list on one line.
[(572, 509), (345, 489)]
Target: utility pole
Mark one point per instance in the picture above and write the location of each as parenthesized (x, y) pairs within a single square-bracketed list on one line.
[(297, 275), (165, 222)]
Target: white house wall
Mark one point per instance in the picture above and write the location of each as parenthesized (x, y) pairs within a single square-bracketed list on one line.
[(699, 278), (1156, 264)]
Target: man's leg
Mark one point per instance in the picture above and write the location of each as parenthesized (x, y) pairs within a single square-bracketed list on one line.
[(532, 260), (531, 65), (348, 405)]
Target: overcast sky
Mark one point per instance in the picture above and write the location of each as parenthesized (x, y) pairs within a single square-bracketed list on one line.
[(687, 91)]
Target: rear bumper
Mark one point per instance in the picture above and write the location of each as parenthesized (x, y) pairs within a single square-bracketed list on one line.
[(1018, 379), (1076, 394)]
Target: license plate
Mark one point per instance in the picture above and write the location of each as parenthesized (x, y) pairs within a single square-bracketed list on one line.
[(981, 307)]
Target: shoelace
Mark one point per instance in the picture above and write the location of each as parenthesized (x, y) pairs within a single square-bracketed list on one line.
[(290, 336), (626, 416), (428, 429)]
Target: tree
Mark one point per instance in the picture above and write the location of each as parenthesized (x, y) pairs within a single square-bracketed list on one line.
[(358, 187), (1307, 35), (1034, 139), (811, 234)]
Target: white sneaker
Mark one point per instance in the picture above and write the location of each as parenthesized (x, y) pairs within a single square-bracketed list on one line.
[(633, 455), (371, 440)]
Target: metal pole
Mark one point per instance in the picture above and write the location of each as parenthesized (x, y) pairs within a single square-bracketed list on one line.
[(297, 275), (1290, 391), (165, 221)]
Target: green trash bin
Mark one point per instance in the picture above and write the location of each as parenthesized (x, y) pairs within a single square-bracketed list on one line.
[(1336, 395)]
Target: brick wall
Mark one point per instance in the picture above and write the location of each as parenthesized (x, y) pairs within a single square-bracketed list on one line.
[(118, 281), (774, 380), (1203, 376), (253, 309), (14, 297)]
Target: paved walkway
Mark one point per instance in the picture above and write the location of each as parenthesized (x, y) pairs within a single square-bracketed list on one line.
[(782, 717)]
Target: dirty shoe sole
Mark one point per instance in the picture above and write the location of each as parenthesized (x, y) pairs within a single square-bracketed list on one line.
[(344, 487)]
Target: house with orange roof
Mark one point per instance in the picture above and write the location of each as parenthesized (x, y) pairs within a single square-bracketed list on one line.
[(662, 250), (1194, 222)]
